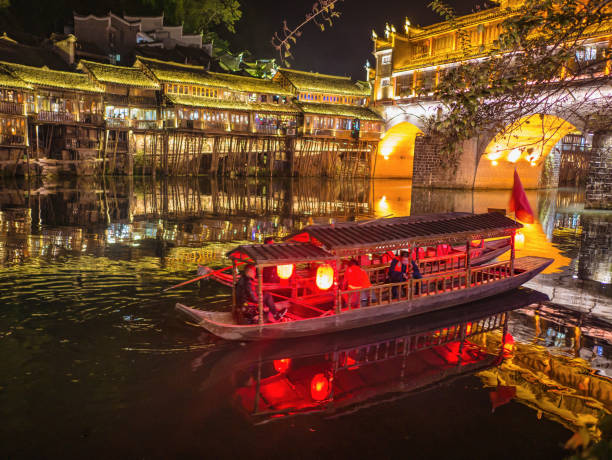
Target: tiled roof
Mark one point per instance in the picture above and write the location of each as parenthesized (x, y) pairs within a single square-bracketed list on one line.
[(41, 76), (130, 76), (172, 72), (309, 81), (223, 104), (350, 111)]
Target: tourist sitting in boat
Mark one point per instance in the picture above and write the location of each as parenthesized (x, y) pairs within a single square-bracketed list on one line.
[(399, 271), (356, 278), (247, 299)]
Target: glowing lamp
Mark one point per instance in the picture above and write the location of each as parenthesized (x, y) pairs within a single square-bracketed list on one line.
[(519, 241), (319, 387), (508, 348), (282, 365), (514, 155), (284, 272), (325, 277), (494, 163), (476, 243)]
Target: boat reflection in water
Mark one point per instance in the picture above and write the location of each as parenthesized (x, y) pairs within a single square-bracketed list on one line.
[(341, 373)]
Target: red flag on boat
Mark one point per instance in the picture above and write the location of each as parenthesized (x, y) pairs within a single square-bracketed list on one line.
[(519, 203)]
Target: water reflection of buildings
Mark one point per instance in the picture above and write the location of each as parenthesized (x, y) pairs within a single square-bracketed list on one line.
[(171, 219), (560, 364)]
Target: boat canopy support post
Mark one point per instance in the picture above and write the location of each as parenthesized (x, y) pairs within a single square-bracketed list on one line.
[(260, 293), (411, 247), (512, 252), (468, 264), (234, 306), (337, 297)]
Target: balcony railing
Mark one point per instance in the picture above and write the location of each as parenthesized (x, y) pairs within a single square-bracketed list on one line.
[(145, 124), (239, 127), (203, 125), (91, 144), (117, 123), (91, 118), (12, 139), (55, 117), (13, 108), (261, 129)]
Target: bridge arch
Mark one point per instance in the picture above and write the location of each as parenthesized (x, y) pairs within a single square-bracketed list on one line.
[(524, 145), (395, 154)]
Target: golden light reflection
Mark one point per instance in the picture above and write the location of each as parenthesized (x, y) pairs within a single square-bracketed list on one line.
[(391, 197), (537, 244)]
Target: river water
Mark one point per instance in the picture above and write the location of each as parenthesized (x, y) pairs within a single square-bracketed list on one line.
[(95, 362)]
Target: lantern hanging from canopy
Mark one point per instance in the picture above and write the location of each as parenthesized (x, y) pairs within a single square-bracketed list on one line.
[(284, 272), (476, 243), (325, 277), (319, 387), (282, 365), (519, 241)]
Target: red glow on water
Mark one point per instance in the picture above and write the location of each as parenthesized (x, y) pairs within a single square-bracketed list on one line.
[(508, 346)]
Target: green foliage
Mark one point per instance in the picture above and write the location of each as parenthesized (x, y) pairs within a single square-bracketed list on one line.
[(5, 3), (200, 16), (525, 70)]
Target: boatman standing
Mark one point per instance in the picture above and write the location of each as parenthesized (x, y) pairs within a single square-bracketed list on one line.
[(247, 299), (400, 271)]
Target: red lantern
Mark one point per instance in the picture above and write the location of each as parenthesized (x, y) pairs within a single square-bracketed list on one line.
[(325, 277), (519, 241), (319, 387), (284, 272), (282, 365), (476, 243)]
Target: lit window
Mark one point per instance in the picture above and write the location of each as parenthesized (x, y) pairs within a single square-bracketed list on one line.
[(386, 59), (385, 82), (589, 53)]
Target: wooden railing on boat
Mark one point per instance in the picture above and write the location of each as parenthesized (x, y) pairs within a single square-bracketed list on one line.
[(438, 283), (455, 261)]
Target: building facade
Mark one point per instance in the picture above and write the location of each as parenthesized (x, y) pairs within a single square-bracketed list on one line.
[(117, 38), (409, 65), (159, 117)]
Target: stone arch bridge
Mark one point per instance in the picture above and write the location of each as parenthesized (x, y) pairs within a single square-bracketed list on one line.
[(533, 145)]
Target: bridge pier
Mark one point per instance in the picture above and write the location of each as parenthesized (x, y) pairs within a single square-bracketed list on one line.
[(430, 169), (599, 178)]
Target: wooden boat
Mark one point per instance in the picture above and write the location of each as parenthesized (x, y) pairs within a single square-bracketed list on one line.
[(330, 308), (480, 255)]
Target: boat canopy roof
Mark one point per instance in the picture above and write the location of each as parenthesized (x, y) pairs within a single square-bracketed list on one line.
[(279, 253), (390, 234)]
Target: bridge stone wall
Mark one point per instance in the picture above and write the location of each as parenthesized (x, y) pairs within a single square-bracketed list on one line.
[(599, 178), (428, 170)]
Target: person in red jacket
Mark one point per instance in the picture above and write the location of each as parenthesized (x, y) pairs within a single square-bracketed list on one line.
[(355, 278)]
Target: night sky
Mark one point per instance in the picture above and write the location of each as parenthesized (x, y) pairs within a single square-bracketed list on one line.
[(341, 49)]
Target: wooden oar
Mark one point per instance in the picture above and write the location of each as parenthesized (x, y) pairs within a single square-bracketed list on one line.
[(196, 279)]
